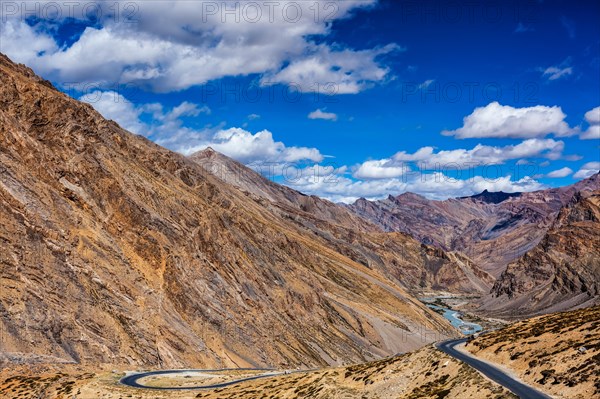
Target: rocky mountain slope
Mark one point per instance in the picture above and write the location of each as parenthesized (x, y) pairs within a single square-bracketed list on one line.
[(557, 353), (492, 229), (261, 188), (417, 267), (562, 271), (115, 250)]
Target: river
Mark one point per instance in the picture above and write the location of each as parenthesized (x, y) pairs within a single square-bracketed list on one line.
[(467, 328)]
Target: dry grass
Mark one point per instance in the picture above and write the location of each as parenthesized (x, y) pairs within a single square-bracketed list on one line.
[(545, 352), (426, 373)]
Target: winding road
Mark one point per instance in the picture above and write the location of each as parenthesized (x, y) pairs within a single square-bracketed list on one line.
[(518, 388), (132, 379), (449, 347)]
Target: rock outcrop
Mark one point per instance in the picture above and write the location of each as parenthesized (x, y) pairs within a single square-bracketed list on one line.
[(562, 271)]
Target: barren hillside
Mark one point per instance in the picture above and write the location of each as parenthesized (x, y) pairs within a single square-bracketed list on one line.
[(115, 250)]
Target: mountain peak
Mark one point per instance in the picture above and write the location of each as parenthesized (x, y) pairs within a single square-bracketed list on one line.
[(408, 196), (493, 197), (208, 152)]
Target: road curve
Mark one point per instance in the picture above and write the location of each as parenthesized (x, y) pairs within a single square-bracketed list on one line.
[(132, 379), (518, 388)]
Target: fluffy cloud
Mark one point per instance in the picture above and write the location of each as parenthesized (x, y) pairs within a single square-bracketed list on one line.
[(427, 158), (593, 118), (320, 114), (332, 72), (203, 41), (563, 172), (23, 43), (339, 188), (247, 147), (587, 170), (503, 121), (592, 133), (379, 169), (484, 154), (167, 128)]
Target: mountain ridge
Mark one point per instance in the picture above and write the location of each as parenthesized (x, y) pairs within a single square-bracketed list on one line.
[(114, 250), (562, 271), (490, 232), (432, 270)]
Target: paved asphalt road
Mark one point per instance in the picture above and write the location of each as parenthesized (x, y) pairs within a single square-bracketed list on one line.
[(132, 379), (521, 390)]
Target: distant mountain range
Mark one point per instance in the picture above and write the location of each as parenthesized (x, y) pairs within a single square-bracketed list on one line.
[(493, 198), (552, 265), (492, 229)]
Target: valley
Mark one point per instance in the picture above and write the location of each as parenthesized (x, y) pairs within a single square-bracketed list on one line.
[(545, 353), (119, 256)]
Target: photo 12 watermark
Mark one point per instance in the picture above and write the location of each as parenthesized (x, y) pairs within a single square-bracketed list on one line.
[(58, 11)]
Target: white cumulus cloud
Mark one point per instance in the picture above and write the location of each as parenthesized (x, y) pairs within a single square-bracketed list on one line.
[(593, 131), (203, 41), (587, 170), (247, 147), (321, 114), (379, 169), (330, 71), (427, 158), (593, 116), (503, 121), (563, 172)]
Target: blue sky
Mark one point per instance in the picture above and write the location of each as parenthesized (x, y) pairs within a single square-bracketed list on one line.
[(340, 99)]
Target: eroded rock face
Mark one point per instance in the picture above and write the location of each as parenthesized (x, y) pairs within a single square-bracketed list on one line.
[(562, 271), (115, 250)]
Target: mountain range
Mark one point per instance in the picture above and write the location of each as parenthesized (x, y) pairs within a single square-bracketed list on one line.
[(492, 229), (483, 235), (115, 250), (562, 271)]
